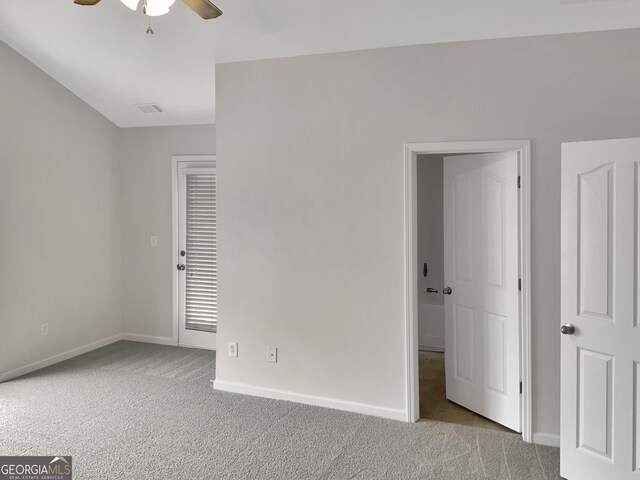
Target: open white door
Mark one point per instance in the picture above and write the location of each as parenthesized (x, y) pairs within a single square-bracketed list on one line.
[(601, 341), (482, 339)]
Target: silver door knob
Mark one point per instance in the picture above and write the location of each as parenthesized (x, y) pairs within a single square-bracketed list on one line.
[(568, 329), (447, 290)]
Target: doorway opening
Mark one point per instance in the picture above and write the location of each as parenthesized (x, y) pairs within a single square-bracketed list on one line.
[(194, 251), (468, 288)]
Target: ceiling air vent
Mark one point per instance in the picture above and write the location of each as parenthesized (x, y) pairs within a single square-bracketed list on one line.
[(151, 108)]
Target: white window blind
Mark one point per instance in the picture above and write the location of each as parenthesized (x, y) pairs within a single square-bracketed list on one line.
[(201, 285)]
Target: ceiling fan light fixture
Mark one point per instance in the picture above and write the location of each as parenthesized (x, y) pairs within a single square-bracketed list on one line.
[(155, 8), (132, 4)]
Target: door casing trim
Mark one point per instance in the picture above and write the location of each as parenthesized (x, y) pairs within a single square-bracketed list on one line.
[(411, 152), (176, 160)]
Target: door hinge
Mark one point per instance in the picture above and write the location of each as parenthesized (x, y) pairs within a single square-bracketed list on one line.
[(519, 186), (519, 284), (520, 388)]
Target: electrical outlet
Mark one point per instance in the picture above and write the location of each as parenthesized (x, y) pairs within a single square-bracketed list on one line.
[(154, 241), (233, 349), (44, 329), (272, 354)]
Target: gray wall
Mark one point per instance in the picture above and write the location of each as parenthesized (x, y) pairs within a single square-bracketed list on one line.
[(312, 187), (146, 200), (430, 232), (430, 212), (59, 229)]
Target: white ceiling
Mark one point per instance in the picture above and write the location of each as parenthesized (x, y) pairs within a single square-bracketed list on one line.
[(102, 54), (278, 28)]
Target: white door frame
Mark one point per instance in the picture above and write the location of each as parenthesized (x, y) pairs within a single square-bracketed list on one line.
[(411, 152), (176, 160)]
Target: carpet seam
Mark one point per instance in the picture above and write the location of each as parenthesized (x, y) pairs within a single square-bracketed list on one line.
[(484, 471), (334, 462), (253, 441), (544, 474), (506, 463)]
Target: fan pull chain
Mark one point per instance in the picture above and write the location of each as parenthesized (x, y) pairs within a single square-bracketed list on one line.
[(144, 9)]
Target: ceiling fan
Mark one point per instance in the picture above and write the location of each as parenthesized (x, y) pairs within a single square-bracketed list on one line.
[(154, 8)]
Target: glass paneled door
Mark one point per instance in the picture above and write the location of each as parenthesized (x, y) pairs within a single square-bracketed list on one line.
[(196, 266)]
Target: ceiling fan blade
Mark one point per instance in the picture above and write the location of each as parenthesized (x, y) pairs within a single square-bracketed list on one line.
[(86, 2), (204, 8)]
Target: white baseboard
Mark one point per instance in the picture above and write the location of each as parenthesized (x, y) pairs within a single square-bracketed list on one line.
[(355, 407), (548, 439), (431, 344), (135, 337), (430, 348), (61, 357)]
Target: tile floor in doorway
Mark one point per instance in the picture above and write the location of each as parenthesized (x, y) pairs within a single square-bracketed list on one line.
[(433, 402)]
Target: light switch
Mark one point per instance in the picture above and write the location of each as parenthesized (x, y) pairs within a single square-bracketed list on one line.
[(154, 241)]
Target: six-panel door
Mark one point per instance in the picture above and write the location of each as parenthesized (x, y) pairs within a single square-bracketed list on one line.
[(599, 392), (482, 338)]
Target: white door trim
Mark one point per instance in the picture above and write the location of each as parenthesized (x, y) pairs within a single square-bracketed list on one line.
[(411, 152), (176, 160)]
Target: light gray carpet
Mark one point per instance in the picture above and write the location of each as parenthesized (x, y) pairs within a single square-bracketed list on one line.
[(139, 411)]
